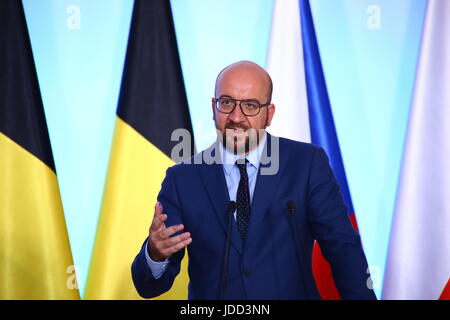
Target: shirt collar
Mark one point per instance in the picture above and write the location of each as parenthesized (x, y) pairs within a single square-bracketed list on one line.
[(254, 157)]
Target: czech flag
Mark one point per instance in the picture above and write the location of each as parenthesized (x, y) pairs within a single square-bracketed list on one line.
[(299, 86)]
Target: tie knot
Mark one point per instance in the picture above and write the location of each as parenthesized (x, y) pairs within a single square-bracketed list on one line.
[(242, 165)]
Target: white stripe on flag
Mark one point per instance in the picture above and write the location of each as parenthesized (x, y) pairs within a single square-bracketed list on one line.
[(286, 67), (418, 265)]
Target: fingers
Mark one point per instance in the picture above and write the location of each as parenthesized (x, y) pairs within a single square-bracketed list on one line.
[(158, 209), (158, 219), (180, 245), (168, 247), (167, 232), (170, 242), (158, 223), (162, 245), (161, 249)]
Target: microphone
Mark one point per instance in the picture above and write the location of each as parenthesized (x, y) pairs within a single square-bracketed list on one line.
[(292, 209), (231, 208)]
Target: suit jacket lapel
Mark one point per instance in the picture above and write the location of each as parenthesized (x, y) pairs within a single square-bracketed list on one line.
[(265, 188), (215, 184)]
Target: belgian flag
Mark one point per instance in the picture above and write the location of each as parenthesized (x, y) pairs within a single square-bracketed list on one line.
[(35, 257), (152, 103)]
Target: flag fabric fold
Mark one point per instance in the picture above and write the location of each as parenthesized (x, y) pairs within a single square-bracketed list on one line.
[(152, 104), (35, 256), (418, 264)]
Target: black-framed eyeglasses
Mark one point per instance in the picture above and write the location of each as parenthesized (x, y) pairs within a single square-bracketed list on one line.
[(249, 107)]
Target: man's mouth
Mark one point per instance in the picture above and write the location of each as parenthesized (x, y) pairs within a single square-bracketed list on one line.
[(236, 130)]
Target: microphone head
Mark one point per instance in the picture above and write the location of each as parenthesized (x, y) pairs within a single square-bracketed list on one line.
[(291, 206), (232, 206)]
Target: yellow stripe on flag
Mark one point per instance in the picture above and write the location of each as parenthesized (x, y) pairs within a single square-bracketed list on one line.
[(136, 171), (35, 256)]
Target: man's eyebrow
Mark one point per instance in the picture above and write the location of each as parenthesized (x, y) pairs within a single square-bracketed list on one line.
[(227, 96)]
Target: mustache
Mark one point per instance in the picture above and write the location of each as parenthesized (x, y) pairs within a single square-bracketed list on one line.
[(232, 126)]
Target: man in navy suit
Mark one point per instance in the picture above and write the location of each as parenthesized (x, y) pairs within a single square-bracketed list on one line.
[(249, 219)]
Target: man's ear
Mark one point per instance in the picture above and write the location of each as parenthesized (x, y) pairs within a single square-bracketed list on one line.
[(213, 104), (270, 114)]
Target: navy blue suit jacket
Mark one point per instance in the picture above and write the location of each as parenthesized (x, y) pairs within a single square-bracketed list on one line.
[(275, 262)]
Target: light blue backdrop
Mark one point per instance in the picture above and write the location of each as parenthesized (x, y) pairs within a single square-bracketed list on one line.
[(370, 77), (79, 48)]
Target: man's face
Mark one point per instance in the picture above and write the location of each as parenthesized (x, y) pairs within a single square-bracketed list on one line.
[(242, 83)]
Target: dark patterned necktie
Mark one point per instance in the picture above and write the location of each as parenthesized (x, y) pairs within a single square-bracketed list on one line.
[(243, 201)]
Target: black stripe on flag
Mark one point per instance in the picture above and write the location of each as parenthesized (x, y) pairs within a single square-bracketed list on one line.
[(152, 96), (22, 116)]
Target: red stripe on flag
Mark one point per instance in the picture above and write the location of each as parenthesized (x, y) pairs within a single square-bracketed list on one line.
[(446, 293), (353, 221), (322, 275), (322, 270)]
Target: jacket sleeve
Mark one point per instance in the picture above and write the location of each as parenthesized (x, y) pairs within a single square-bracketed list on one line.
[(339, 242), (144, 281)]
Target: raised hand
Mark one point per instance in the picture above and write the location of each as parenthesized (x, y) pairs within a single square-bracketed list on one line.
[(161, 245)]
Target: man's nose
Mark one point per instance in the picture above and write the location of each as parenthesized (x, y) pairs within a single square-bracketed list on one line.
[(237, 115)]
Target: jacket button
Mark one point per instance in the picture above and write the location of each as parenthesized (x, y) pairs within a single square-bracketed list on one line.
[(246, 272)]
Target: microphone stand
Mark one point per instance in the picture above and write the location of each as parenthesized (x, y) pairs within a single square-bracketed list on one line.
[(292, 209), (230, 210)]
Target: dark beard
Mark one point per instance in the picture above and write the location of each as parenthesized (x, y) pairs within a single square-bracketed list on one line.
[(231, 126)]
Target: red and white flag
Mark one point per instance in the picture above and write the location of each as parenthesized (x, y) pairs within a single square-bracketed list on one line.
[(286, 67), (418, 265)]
